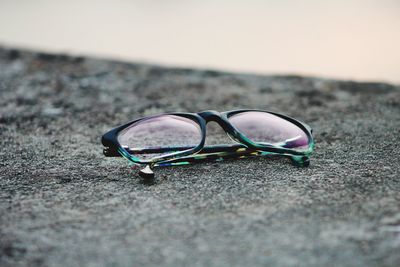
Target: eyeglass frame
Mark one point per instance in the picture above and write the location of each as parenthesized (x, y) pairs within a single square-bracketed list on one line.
[(244, 147)]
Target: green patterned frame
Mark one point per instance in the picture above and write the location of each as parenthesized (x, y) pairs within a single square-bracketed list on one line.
[(185, 155)]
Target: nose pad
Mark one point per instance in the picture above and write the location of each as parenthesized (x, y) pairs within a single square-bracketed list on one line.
[(216, 135)]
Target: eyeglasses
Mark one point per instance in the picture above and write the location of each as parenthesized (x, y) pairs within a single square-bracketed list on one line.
[(179, 138)]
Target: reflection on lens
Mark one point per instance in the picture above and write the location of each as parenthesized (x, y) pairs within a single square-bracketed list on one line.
[(159, 136), (266, 128)]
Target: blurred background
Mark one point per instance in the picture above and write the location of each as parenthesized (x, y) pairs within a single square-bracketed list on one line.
[(353, 39)]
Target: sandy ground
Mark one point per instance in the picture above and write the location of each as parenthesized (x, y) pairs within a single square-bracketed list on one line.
[(62, 203)]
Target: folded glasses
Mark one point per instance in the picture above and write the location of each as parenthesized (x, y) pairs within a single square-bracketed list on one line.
[(179, 138)]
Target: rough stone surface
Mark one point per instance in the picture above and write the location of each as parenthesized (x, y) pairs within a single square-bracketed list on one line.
[(62, 203)]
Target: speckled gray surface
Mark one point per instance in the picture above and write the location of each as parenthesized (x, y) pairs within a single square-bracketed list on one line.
[(62, 203)]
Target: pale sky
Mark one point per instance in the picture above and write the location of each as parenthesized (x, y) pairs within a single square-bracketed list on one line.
[(354, 39)]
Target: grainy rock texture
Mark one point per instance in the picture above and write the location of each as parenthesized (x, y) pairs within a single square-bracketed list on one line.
[(62, 203)]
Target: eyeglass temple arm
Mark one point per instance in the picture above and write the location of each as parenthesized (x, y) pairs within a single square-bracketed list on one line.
[(207, 149), (213, 153), (243, 152), (207, 155), (147, 172)]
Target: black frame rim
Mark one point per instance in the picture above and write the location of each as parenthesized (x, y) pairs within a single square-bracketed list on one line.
[(110, 138)]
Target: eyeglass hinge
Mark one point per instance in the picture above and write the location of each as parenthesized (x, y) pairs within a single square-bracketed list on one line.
[(110, 152)]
